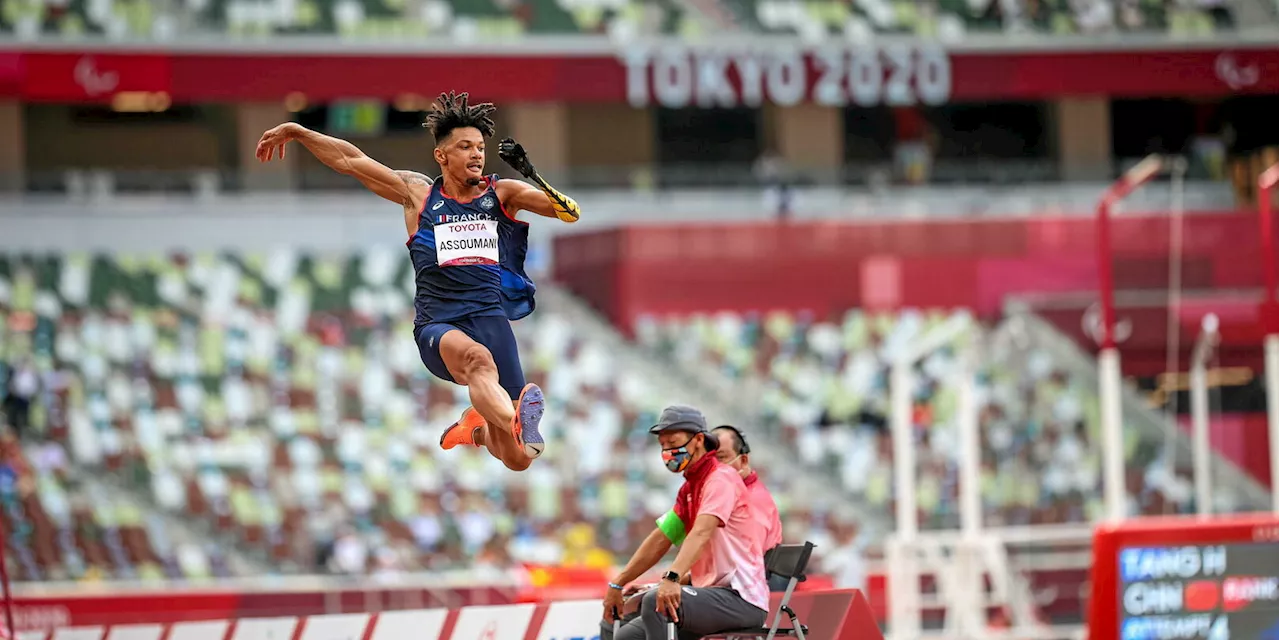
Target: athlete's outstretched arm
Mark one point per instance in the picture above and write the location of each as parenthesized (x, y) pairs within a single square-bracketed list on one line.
[(542, 199), (418, 181), (345, 158)]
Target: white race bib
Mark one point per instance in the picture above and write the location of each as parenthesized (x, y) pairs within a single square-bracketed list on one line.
[(464, 243)]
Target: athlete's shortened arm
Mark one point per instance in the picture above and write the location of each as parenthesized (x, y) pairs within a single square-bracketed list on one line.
[(540, 197), (518, 194), (347, 159)]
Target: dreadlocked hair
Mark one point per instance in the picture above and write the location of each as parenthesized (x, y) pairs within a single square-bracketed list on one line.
[(451, 111)]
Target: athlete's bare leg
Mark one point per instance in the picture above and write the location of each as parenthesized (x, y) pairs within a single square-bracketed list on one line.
[(504, 447), (471, 364)]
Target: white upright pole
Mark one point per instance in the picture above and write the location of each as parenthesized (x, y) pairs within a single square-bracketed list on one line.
[(1272, 348), (971, 591), (1113, 477), (970, 451), (1173, 328), (1200, 450), (1271, 320), (904, 451), (1108, 355), (905, 588), (1200, 439)]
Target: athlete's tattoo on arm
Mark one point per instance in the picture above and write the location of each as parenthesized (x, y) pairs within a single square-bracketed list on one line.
[(412, 179)]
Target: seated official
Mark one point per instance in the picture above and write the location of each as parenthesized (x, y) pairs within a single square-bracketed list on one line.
[(713, 525), (735, 452)]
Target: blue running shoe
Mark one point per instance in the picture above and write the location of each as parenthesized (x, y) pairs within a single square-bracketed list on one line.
[(528, 417)]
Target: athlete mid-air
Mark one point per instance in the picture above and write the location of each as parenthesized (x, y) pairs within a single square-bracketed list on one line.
[(468, 250)]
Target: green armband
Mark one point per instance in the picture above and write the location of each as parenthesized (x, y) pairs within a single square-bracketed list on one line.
[(672, 527)]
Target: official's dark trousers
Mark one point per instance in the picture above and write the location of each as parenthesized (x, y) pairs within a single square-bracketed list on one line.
[(703, 611)]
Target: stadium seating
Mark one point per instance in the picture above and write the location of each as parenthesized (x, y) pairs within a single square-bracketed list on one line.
[(358, 19), (477, 19), (60, 527), (828, 391), (278, 399)]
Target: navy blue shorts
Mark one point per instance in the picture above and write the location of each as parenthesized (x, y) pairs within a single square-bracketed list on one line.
[(494, 332)]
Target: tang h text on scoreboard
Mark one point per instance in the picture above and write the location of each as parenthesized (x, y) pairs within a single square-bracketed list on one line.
[(1199, 592)]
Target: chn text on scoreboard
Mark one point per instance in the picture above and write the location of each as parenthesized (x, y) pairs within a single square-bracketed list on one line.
[(1198, 591)]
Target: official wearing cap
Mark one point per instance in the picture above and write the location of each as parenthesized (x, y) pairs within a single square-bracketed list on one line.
[(712, 522)]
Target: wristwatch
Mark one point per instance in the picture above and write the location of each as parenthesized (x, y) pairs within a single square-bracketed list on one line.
[(672, 576)]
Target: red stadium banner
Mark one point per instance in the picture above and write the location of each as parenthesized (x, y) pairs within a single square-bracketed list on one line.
[(10, 74), (892, 74), (72, 77)]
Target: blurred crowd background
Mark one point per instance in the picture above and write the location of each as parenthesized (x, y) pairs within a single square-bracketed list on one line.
[(206, 364)]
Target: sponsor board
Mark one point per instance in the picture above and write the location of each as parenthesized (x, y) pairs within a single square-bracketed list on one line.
[(576, 620), (79, 633), (346, 626), (136, 632), (208, 630), (265, 629), (498, 622), (394, 625)]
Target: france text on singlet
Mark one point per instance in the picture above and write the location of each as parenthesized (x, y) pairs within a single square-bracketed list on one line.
[(468, 259)]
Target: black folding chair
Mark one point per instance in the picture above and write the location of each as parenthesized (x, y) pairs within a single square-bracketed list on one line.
[(788, 561)]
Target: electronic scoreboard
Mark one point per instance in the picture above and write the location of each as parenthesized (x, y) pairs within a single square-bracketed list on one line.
[(1187, 579), (1218, 592)]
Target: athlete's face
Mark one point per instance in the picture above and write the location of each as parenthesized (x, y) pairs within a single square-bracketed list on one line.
[(462, 155)]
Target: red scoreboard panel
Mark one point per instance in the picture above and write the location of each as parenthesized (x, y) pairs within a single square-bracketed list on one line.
[(1186, 578)]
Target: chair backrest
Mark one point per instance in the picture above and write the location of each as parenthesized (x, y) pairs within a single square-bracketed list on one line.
[(788, 560)]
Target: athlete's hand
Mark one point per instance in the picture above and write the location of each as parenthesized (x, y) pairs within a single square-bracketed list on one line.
[(274, 140), (513, 154)]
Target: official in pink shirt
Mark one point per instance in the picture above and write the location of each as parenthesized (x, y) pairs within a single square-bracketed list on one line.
[(735, 452), (714, 525)]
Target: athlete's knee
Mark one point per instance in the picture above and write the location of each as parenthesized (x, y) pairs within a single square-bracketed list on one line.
[(476, 359), (518, 463)]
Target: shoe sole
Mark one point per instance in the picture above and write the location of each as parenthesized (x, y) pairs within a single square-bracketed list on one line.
[(528, 417), (446, 435)]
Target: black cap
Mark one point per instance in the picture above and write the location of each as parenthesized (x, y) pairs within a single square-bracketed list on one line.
[(687, 419)]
